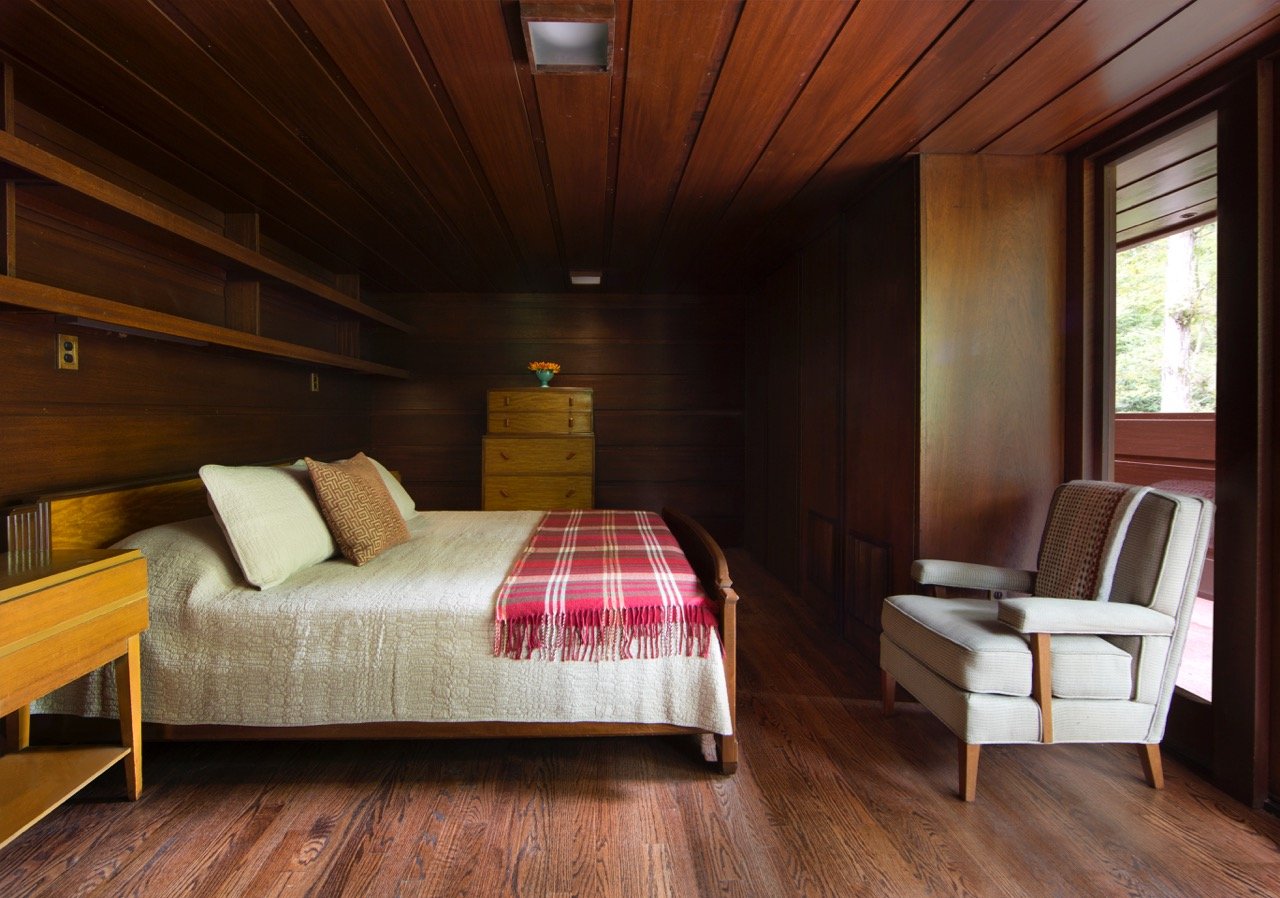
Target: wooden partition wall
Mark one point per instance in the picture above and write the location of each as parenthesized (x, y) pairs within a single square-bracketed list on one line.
[(908, 399), (667, 372)]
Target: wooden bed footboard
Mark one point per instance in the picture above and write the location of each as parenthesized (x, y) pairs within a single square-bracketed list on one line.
[(709, 564), (97, 518)]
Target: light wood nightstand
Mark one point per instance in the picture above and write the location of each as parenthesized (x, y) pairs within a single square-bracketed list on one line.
[(63, 614)]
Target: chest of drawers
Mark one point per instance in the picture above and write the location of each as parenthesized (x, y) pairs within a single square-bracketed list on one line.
[(539, 452)]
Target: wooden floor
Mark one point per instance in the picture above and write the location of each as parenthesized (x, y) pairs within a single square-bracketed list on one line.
[(830, 799)]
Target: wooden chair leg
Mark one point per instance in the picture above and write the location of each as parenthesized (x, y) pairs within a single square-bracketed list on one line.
[(968, 769), (1152, 766), (727, 752), (887, 688)]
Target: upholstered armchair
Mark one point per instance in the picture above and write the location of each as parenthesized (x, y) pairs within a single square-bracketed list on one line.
[(1090, 654)]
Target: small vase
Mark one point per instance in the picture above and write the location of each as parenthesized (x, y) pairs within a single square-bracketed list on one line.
[(545, 377)]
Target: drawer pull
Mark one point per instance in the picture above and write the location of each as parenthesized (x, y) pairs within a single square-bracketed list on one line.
[(570, 455), (506, 422), (505, 494), (571, 422), (570, 493), (506, 400), (504, 455), (570, 402)]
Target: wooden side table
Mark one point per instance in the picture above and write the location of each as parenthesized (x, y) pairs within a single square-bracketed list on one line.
[(62, 615)]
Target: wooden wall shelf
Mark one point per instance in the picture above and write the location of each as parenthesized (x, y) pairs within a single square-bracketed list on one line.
[(239, 259), (44, 298)]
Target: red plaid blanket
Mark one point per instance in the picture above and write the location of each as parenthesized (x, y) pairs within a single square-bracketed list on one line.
[(602, 585)]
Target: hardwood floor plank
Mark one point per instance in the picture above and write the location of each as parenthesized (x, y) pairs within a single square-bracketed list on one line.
[(831, 798)]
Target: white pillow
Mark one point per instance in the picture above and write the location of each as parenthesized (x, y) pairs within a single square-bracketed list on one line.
[(404, 502), (399, 495), (270, 519)]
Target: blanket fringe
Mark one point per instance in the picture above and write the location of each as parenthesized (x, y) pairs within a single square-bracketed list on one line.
[(607, 634)]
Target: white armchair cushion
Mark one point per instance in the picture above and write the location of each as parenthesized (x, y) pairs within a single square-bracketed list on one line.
[(962, 575), (961, 641), (1039, 614)]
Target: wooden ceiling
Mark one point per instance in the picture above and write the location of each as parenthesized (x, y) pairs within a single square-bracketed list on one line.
[(409, 140), (1169, 185)]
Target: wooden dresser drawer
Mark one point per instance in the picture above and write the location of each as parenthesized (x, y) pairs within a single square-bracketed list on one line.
[(540, 422), (538, 455), (511, 493), (536, 399)]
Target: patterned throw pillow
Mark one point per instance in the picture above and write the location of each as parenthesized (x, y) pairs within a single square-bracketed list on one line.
[(360, 512)]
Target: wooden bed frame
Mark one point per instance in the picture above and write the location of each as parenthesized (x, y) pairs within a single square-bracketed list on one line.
[(96, 519)]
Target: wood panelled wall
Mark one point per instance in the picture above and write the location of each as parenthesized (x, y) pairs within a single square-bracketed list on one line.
[(908, 394), (144, 408), (667, 372), (140, 407)]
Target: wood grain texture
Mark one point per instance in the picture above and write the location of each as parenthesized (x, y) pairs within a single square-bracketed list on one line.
[(141, 408), (749, 102), (1089, 37), (1197, 31), (575, 122), (462, 38), (667, 380), (991, 361), (830, 798), (410, 140), (882, 357)]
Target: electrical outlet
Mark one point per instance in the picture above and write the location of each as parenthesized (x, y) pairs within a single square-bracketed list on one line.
[(68, 352), (315, 382)]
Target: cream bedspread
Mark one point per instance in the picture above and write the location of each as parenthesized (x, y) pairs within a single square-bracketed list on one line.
[(407, 637)]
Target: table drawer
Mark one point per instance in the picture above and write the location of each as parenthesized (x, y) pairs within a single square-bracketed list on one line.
[(536, 399), (540, 422), (538, 455), (52, 636), (509, 493)]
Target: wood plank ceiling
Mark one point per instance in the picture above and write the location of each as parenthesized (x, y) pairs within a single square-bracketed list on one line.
[(410, 141)]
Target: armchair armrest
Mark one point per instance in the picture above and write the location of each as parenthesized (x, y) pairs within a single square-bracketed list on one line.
[(961, 575), (1038, 614)]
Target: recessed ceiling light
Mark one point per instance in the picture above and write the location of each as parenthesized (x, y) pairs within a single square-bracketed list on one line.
[(568, 37), (562, 45), (586, 278)]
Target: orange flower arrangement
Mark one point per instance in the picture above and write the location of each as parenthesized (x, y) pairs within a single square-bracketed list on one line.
[(553, 367)]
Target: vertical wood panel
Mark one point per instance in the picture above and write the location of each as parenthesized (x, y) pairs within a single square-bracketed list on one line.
[(991, 376), (1241, 560), (821, 424), (782, 392), (882, 374)]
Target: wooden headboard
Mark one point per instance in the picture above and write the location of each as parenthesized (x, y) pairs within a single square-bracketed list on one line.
[(96, 519)]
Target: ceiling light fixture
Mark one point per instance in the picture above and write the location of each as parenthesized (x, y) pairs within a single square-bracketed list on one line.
[(568, 37), (586, 278)]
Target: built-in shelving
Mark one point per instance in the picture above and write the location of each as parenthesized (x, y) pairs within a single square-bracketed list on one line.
[(44, 298), (32, 159), (25, 165)]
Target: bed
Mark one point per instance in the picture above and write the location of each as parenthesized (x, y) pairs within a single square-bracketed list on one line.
[(402, 647)]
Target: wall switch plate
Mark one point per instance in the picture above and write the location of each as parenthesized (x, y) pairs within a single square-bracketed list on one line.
[(68, 352), (315, 383)]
